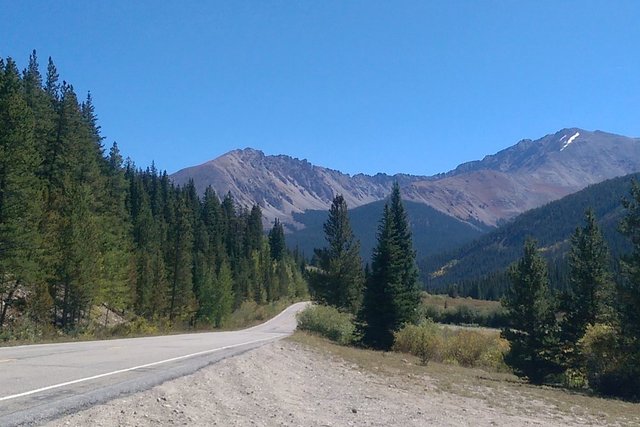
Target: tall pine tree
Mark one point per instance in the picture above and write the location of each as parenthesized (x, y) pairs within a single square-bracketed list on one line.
[(591, 292), (340, 280), (532, 331), (391, 295)]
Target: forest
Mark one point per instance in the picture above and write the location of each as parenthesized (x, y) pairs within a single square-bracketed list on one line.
[(82, 227), (478, 269)]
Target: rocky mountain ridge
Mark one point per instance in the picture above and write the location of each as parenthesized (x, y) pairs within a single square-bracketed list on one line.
[(498, 187)]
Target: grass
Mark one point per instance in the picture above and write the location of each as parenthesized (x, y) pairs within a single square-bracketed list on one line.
[(445, 301), (463, 311), (499, 390)]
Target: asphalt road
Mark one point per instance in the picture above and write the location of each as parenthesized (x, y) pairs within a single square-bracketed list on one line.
[(41, 382)]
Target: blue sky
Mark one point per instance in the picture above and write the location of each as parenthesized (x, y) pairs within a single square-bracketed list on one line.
[(360, 86)]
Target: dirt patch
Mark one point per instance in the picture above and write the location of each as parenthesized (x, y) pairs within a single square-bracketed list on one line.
[(291, 384)]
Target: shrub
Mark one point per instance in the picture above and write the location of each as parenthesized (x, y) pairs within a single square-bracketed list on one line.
[(328, 322), (574, 378), (424, 341), (429, 342), (466, 347), (610, 368)]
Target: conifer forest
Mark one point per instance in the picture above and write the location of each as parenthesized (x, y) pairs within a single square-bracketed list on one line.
[(82, 227)]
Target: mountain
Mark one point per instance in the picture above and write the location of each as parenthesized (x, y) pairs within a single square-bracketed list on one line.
[(489, 191), (284, 186), (433, 231), (477, 268)]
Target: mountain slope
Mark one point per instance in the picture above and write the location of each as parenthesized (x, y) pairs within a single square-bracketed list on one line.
[(501, 186), (480, 263), (283, 185), (432, 230)]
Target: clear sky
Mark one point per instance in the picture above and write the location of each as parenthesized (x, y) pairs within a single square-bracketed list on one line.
[(360, 86)]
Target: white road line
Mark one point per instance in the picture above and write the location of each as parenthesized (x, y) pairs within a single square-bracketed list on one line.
[(39, 390)]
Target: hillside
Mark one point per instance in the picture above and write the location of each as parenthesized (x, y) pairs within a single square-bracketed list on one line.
[(489, 191), (432, 230), (476, 268)]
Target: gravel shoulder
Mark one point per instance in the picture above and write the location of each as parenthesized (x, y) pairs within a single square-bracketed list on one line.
[(289, 383)]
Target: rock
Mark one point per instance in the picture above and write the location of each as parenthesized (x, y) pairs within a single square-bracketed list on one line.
[(354, 410)]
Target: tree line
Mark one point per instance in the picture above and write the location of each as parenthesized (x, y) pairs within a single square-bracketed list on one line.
[(81, 227)]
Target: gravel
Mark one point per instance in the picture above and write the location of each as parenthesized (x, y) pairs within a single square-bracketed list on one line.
[(287, 384)]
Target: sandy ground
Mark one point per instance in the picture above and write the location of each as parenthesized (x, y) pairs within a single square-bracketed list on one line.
[(288, 384)]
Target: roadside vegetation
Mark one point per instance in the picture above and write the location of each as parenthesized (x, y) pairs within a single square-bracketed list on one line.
[(586, 338)]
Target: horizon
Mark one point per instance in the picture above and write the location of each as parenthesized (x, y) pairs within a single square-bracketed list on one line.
[(352, 87)]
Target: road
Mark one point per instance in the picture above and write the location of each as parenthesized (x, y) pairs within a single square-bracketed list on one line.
[(40, 382)]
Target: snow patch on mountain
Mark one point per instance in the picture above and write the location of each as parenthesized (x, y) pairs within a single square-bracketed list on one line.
[(569, 141)]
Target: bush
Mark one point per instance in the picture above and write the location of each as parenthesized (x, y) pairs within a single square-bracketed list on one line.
[(429, 342), (466, 347), (610, 368), (424, 341), (328, 322)]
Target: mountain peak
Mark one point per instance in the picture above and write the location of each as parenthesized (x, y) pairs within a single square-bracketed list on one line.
[(500, 186)]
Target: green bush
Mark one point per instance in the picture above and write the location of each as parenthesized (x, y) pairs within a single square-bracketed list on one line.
[(611, 369), (328, 322)]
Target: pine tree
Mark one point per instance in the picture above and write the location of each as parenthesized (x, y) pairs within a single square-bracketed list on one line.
[(630, 288), (277, 241), (377, 314), (391, 295), (117, 288), (532, 331), (223, 295), (407, 294), (20, 195), (182, 299), (590, 299), (629, 293), (340, 280), (254, 234)]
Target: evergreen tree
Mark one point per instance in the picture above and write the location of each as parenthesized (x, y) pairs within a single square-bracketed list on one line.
[(630, 288), (182, 299), (340, 280), (223, 295), (377, 314), (532, 331), (590, 299), (391, 295), (254, 234), (407, 293), (277, 241), (629, 295), (117, 287), (20, 194)]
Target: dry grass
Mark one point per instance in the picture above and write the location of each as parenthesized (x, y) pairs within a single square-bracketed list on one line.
[(499, 390)]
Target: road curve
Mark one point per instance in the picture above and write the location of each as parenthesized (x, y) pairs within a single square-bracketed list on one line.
[(43, 381)]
